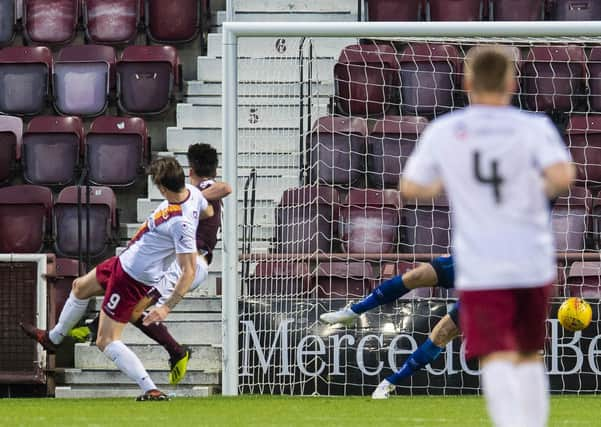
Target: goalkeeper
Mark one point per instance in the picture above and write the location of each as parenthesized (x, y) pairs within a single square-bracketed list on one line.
[(439, 272)]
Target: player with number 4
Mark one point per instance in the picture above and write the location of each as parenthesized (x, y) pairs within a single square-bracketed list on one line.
[(170, 232)]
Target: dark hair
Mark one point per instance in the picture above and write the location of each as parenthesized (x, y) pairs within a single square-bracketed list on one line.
[(490, 67), (203, 160), (168, 173)]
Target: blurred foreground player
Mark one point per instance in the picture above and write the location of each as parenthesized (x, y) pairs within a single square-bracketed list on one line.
[(440, 272), (126, 280), (499, 166), (203, 161)]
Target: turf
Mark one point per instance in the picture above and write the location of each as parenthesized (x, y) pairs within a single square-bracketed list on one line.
[(278, 411)]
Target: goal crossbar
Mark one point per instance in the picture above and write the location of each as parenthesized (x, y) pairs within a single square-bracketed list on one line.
[(234, 30)]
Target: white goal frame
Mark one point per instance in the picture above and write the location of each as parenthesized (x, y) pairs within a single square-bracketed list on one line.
[(234, 30)]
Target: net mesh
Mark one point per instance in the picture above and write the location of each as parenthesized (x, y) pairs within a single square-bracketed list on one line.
[(325, 129)]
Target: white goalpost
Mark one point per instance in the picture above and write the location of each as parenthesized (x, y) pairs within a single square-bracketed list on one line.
[(309, 244)]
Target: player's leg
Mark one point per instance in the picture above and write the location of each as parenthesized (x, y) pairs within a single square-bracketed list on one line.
[(443, 333), (439, 272), (533, 390), (75, 307)]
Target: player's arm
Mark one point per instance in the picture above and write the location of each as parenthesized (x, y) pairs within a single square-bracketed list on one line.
[(217, 191), (206, 209), (558, 178), (421, 179), (412, 190)]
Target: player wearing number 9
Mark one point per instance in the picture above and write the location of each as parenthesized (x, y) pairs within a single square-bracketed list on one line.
[(499, 167)]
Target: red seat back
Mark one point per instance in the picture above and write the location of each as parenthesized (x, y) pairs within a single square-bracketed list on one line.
[(594, 83), (8, 21), (11, 138), (176, 21), (292, 279), (344, 280), (570, 220), (428, 78), (394, 10), (554, 77), (52, 148), (517, 10), (389, 145), (50, 21), (116, 148), (584, 279), (111, 21), (370, 221), (584, 140), (337, 150), (426, 227), (365, 79), (575, 10), (25, 212), (455, 10), (67, 270)]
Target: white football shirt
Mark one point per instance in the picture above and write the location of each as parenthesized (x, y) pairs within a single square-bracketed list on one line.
[(169, 230), (490, 160)]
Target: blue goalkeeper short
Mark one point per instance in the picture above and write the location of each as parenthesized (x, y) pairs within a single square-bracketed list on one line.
[(445, 271)]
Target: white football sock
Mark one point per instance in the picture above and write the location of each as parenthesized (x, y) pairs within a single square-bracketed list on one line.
[(533, 393), (73, 311), (499, 384), (127, 361)]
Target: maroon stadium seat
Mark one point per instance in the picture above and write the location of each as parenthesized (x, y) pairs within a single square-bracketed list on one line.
[(111, 21), (344, 280), (370, 221), (517, 10), (306, 220), (25, 218), (66, 271), (8, 21), (102, 221), (584, 139), (570, 219), (594, 69), (116, 148), (175, 21), (426, 227), (50, 21), (554, 77), (52, 147), (337, 149), (576, 10), (146, 76), (11, 138), (394, 10), (596, 221), (455, 10), (428, 78), (365, 79), (24, 79), (83, 76), (584, 280), (280, 278), (389, 145)]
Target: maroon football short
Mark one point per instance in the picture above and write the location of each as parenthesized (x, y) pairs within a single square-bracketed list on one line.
[(121, 292), (504, 320)]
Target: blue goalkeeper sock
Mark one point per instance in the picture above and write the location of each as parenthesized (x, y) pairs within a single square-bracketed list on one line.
[(426, 353), (388, 291)]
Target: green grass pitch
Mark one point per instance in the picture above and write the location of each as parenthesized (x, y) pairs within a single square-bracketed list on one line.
[(279, 411)]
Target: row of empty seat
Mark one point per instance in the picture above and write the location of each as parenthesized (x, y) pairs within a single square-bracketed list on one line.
[(117, 22), (355, 279), (476, 10), (82, 78), (349, 151), (371, 222), (424, 79), (30, 220), (53, 149)]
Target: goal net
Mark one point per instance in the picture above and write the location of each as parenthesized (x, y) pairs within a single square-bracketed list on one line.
[(324, 128)]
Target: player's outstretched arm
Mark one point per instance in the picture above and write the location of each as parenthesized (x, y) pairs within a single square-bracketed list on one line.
[(388, 291), (411, 190), (444, 331), (217, 191), (558, 178)]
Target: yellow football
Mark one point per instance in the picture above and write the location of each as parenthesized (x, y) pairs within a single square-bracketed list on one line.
[(575, 314)]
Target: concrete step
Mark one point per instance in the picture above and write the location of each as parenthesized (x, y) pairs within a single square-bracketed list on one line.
[(79, 377), (264, 15), (250, 89), (295, 5), (257, 117), (265, 70), (205, 358), (185, 332), (131, 391), (188, 305), (249, 140), (247, 161), (273, 47)]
